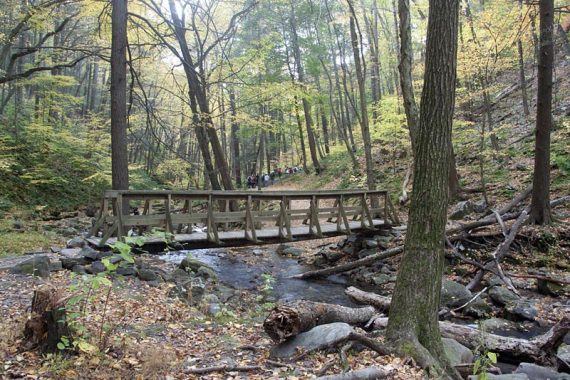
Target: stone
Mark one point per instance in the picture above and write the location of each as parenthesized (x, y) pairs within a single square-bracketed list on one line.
[(95, 267), (461, 210), (380, 279), (536, 372), (494, 325), (453, 294), (197, 289), (213, 309), (510, 376), (478, 309), (79, 269), (480, 206), (292, 252), (55, 266), (564, 356), (550, 288), (179, 276), (146, 274), (89, 253), (522, 310), (502, 295), (318, 337), (70, 252), (35, 266), (456, 352), (55, 249), (366, 252), (18, 225), (189, 263), (76, 242), (207, 273), (128, 270), (371, 244)]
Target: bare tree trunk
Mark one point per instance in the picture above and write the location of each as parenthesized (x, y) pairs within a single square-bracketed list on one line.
[(413, 324), (540, 205), (522, 77), (235, 140), (119, 156)]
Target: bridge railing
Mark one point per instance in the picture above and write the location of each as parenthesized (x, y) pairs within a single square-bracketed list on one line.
[(177, 211)]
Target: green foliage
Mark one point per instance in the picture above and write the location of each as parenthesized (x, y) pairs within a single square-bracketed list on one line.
[(483, 363)]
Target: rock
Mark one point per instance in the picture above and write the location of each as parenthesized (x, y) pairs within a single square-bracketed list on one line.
[(95, 267), (456, 352), (18, 225), (70, 252), (292, 252), (453, 294), (461, 210), (371, 244), (564, 356), (366, 252), (76, 242), (478, 309), (89, 253), (55, 249), (197, 289), (213, 309), (319, 337), (522, 310), (494, 280), (380, 279), (189, 263), (550, 288), (128, 270), (207, 273), (101, 255), (510, 376), (36, 266), (180, 276), (502, 295), (146, 274), (480, 206), (494, 325), (536, 372), (79, 269), (55, 266)]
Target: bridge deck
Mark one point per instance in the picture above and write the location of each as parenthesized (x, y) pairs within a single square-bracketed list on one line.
[(240, 217), (238, 238)]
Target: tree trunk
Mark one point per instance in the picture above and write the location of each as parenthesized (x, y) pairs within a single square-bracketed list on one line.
[(288, 320), (522, 77), (119, 156), (364, 123), (540, 206), (413, 326), (235, 140)]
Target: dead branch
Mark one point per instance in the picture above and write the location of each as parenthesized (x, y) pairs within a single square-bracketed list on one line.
[(223, 368)]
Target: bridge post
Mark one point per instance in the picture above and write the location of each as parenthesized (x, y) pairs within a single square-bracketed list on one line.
[(314, 218), (212, 232), (249, 223), (341, 215)]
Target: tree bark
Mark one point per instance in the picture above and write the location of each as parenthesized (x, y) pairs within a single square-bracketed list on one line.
[(413, 327), (235, 140), (119, 156), (540, 206), (288, 320)]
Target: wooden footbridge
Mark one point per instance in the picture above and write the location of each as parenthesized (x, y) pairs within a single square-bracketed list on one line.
[(232, 218)]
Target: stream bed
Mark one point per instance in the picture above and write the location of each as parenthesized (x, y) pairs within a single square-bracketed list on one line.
[(234, 271)]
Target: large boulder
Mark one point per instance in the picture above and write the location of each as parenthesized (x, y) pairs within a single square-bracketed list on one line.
[(502, 295), (453, 294), (36, 266), (76, 242), (318, 337), (536, 372), (191, 264), (461, 210), (509, 376), (497, 325), (522, 310), (456, 352)]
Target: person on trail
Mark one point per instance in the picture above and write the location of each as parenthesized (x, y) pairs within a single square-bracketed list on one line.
[(266, 179)]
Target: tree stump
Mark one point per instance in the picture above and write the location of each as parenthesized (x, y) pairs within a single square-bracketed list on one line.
[(47, 323)]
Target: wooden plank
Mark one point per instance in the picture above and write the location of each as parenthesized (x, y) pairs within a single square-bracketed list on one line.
[(169, 225)]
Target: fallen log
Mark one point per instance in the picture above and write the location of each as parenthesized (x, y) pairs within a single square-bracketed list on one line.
[(288, 320), (369, 373), (540, 350), (351, 265), (381, 303)]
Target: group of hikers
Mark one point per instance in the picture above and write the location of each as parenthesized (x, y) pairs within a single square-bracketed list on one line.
[(264, 180)]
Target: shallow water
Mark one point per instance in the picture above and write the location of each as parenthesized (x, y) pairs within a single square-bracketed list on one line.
[(235, 272)]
